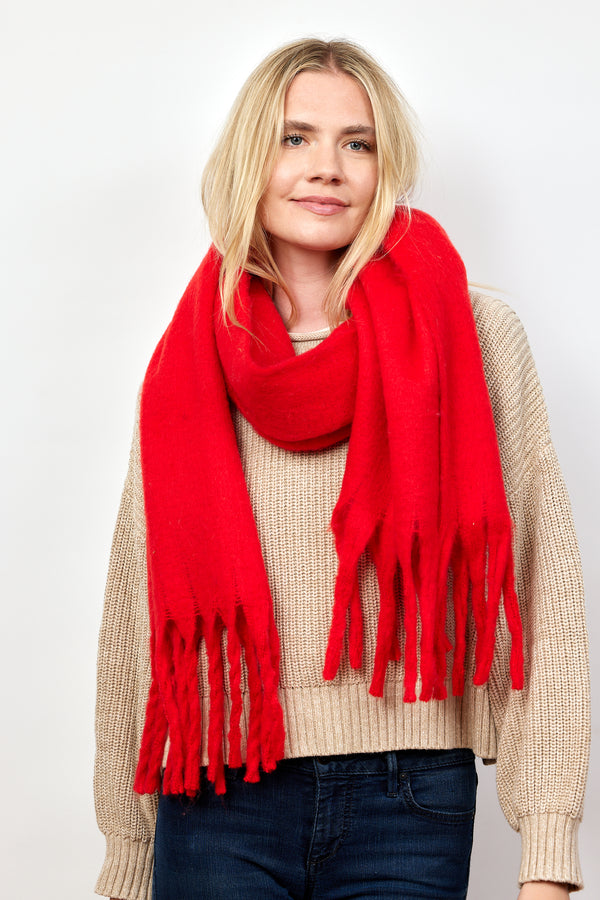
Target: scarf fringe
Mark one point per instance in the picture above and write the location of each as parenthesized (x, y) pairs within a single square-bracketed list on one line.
[(481, 563), (178, 712)]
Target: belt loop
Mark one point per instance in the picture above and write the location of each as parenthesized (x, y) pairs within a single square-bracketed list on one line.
[(392, 772)]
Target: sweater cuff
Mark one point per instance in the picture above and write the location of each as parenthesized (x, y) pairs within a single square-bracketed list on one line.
[(549, 849), (127, 869)]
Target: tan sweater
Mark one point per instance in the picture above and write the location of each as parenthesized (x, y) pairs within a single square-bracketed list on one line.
[(539, 737)]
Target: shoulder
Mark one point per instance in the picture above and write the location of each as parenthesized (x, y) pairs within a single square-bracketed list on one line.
[(496, 320), (504, 346), (134, 489), (515, 391)]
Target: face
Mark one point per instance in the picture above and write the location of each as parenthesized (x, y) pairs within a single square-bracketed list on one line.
[(325, 178)]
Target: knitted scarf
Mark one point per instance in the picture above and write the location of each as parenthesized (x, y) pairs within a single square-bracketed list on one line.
[(403, 379)]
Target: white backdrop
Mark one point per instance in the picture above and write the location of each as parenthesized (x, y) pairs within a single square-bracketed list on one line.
[(109, 112)]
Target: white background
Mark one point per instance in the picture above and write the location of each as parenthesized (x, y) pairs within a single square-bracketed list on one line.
[(109, 111)]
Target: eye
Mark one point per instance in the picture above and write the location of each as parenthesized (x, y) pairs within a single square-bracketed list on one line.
[(359, 145), (293, 140)]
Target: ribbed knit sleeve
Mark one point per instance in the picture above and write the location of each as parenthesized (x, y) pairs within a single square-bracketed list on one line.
[(126, 819), (543, 731)]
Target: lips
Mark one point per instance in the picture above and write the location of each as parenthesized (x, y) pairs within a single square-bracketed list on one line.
[(322, 206)]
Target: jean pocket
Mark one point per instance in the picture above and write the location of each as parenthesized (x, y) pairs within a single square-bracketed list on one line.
[(444, 792)]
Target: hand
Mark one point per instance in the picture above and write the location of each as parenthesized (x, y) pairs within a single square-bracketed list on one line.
[(543, 890)]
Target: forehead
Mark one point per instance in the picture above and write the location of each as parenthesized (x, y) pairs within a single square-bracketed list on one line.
[(333, 97)]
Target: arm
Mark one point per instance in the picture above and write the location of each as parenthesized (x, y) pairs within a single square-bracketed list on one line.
[(544, 730), (126, 819)]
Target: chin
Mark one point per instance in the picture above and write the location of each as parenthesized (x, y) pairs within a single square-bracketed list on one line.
[(325, 243), (325, 247)]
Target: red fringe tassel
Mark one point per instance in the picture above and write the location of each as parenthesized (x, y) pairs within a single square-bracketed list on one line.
[(482, 568)]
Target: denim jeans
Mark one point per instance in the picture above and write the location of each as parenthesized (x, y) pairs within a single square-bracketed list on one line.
[(362, 826)]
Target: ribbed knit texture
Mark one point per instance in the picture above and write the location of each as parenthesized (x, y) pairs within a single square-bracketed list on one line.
[(540, 736)]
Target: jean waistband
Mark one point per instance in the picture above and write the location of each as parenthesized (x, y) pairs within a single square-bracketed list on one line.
[(378, 763)]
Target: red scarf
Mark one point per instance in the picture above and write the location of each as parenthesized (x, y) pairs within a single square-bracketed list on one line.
[(422, 490)]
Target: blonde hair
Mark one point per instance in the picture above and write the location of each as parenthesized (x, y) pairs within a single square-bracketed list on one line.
[(238, 171)]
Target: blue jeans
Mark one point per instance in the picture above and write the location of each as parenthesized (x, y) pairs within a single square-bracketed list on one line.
[(363, 826)]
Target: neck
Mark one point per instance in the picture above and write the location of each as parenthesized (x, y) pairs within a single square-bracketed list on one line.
[(307, 275)]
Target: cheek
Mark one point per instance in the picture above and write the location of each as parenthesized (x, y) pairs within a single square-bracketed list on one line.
[(273, 200), (281, 179), (365, 185), (371, 186), (267, 208)]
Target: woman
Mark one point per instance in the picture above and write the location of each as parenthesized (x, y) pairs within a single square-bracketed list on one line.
[(315, 453)]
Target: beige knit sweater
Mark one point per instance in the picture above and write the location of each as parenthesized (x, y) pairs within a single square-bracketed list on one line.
[(539, 736)]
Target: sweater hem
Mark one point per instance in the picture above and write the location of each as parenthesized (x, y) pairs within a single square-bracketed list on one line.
[(357, 722), (336, 718)]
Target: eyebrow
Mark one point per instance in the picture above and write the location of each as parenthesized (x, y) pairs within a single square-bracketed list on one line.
[(295, 125)]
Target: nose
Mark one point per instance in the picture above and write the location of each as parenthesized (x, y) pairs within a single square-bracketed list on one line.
[(324, 164)]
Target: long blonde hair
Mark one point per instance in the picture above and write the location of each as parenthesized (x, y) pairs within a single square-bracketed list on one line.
[(238, 171)]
